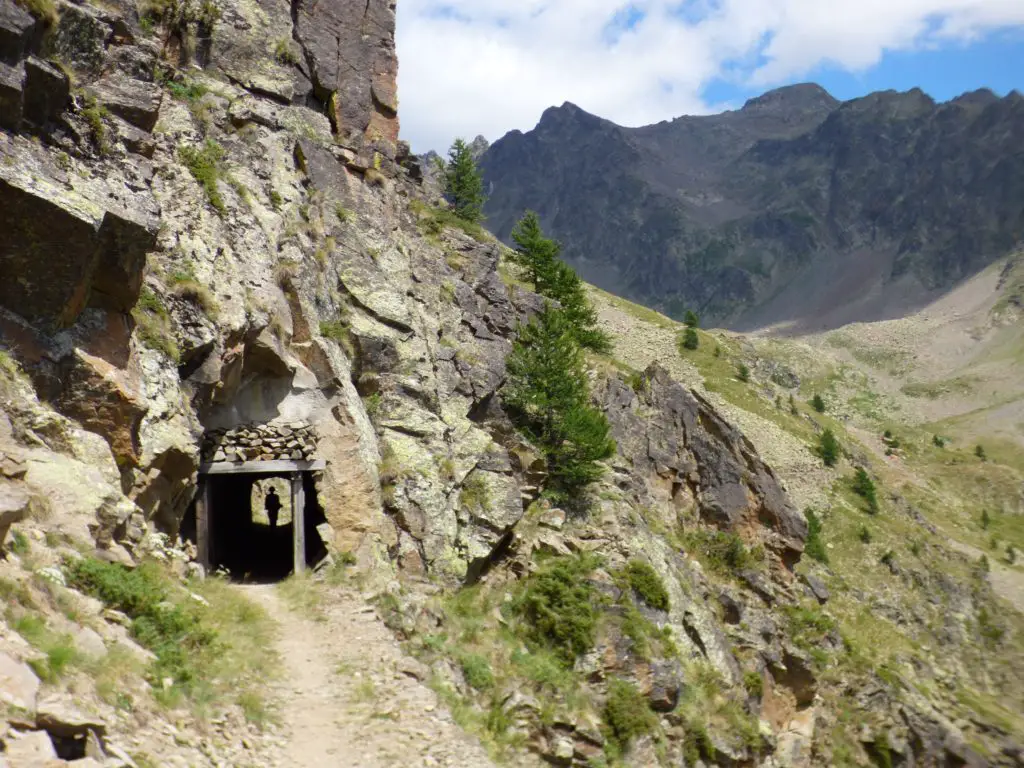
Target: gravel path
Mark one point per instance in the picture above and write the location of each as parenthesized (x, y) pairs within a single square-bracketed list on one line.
[(349, 698)]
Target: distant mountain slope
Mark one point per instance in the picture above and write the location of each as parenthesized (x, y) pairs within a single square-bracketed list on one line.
[(795, 209)]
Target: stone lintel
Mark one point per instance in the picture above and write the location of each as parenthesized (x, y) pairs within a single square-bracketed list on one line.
[(260, 467)]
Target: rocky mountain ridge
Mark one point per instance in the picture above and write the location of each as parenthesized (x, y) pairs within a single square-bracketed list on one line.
[(796, 209), (213, 238)]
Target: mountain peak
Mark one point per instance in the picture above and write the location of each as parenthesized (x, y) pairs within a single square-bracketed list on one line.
[(802, 96), (566, 114)]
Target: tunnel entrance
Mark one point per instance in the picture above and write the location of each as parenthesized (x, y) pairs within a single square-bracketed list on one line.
[(258, 520)]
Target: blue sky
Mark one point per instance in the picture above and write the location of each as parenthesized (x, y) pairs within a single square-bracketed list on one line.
[(471, 67), (996, 62)]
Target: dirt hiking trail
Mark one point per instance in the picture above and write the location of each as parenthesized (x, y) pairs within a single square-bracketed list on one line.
[(347, 697)]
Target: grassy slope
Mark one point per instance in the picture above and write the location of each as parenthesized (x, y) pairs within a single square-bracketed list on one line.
[(862, 374)]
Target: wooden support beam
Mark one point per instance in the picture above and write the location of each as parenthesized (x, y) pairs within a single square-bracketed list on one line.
[(261, 467), (203, 543), (299, 522)]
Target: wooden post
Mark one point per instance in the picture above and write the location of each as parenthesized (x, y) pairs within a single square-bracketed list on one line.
[(203, 543), (299, 522)]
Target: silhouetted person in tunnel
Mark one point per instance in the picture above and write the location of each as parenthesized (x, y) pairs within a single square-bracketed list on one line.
[(273, 507)]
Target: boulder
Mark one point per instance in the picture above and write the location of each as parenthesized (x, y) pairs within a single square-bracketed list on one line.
[(665, 684), (47, 90), (12, 94), (19, 685), (30, 748), (15, 506), (88, 642), (61, 718), (17, 28), (135, 101), (817, 588)]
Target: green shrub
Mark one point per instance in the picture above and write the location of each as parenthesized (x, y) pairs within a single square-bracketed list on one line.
[(864, 487), (979, 451), (372, 403), (153, 324), (477, 670), (864, 534), (815, 545), (186, 90), (689, 339), (986, 520), (818, 403), (475, 494), (697, 744), (828, 448), (19, 543), (723, 551), (646, 583), (96, 115), (173, 632), (743, 373), (205, 165), (690, 319), (284, 52), (559, 606), (754, 683), (627, 714), (938, 442)]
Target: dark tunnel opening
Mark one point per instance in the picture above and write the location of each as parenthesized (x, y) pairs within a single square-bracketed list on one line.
[(245, 536)]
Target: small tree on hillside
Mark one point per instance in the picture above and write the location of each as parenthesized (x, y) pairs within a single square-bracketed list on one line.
[(538, 256), (689, 339), (690, 319), (828, 448), (566, 288), (548, 397), (463, 184), (864, 487), (818, 403), (535, 253)]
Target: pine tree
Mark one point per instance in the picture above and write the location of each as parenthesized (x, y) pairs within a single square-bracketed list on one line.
[(690, 319), (818, 403), (828, 448), (463, 185), (553, 278), (535, 253), (689, 339), (864, 487), (548, 397), (566, 288)]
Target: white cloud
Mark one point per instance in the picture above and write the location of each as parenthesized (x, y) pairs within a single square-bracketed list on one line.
[(488, 66)]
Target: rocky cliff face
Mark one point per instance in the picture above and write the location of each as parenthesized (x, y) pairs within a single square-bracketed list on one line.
[(213, 241), (794, 209)]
